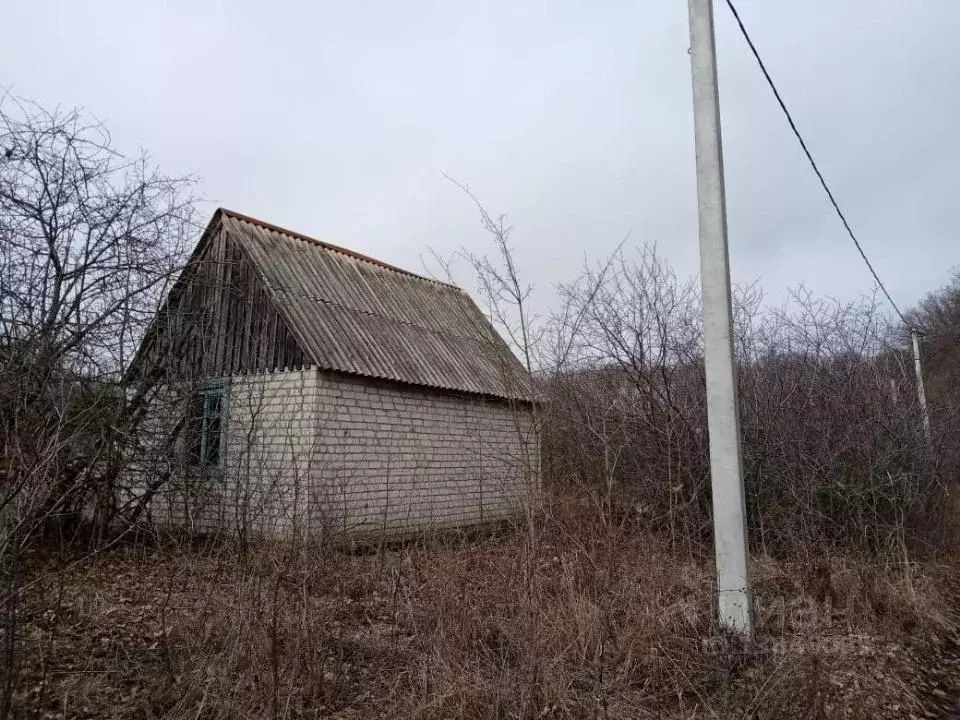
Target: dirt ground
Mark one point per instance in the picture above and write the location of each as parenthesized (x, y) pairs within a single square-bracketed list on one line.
[(573, 621)]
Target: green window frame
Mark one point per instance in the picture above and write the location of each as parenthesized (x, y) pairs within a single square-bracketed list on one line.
[(208, 427)]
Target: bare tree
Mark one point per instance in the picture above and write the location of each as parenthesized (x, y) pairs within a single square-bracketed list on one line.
[(506, 294), (89, 240)]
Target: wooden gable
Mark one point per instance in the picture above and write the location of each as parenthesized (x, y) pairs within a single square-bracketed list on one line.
[(219, 320)]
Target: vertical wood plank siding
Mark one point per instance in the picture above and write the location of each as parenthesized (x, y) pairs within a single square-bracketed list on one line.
[(220, 321)]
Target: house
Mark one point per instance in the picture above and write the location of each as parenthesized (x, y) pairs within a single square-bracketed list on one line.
[(301, 386)]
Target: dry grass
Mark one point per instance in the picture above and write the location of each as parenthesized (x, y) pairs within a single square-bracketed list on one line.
[(582, 619)]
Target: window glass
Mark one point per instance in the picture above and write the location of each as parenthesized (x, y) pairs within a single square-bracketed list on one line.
[(205, 427)]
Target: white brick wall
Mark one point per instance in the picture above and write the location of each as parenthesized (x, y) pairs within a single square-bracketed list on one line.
[(395, 459), (316, 451), (270, 431), (271, 437)]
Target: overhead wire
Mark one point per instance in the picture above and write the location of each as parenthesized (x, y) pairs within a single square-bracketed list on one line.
[(813, 164)]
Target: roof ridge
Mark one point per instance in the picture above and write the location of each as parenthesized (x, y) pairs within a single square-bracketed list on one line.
[(330, 246)]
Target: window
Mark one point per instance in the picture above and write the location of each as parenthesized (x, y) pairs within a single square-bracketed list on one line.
[(206, 427)]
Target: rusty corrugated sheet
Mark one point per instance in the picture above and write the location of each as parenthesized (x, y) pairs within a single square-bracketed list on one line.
[(356, 315)]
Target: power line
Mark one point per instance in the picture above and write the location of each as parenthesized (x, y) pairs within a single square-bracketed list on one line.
[(806, 150)]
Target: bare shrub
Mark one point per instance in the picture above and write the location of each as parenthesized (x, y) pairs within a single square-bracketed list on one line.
[(834, 447), (937, 320), (832, 444)]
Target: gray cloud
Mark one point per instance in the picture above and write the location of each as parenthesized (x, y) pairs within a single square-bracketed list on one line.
[(338, 119)]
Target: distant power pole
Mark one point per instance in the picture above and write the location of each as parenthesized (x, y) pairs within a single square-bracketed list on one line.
[(723, 417), (921, 393)]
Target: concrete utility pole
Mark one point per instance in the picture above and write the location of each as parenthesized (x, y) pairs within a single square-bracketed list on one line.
[(921, 393), (723, 416)]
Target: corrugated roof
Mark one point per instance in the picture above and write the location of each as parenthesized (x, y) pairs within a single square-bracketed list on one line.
[(355, 314)]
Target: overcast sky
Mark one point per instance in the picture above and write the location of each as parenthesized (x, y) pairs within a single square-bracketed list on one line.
[(338, 119)]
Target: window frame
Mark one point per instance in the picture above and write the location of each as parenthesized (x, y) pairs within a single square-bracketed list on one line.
[(200, 424)]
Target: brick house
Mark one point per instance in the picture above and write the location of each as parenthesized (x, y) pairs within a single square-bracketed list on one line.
[(300, 385)]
